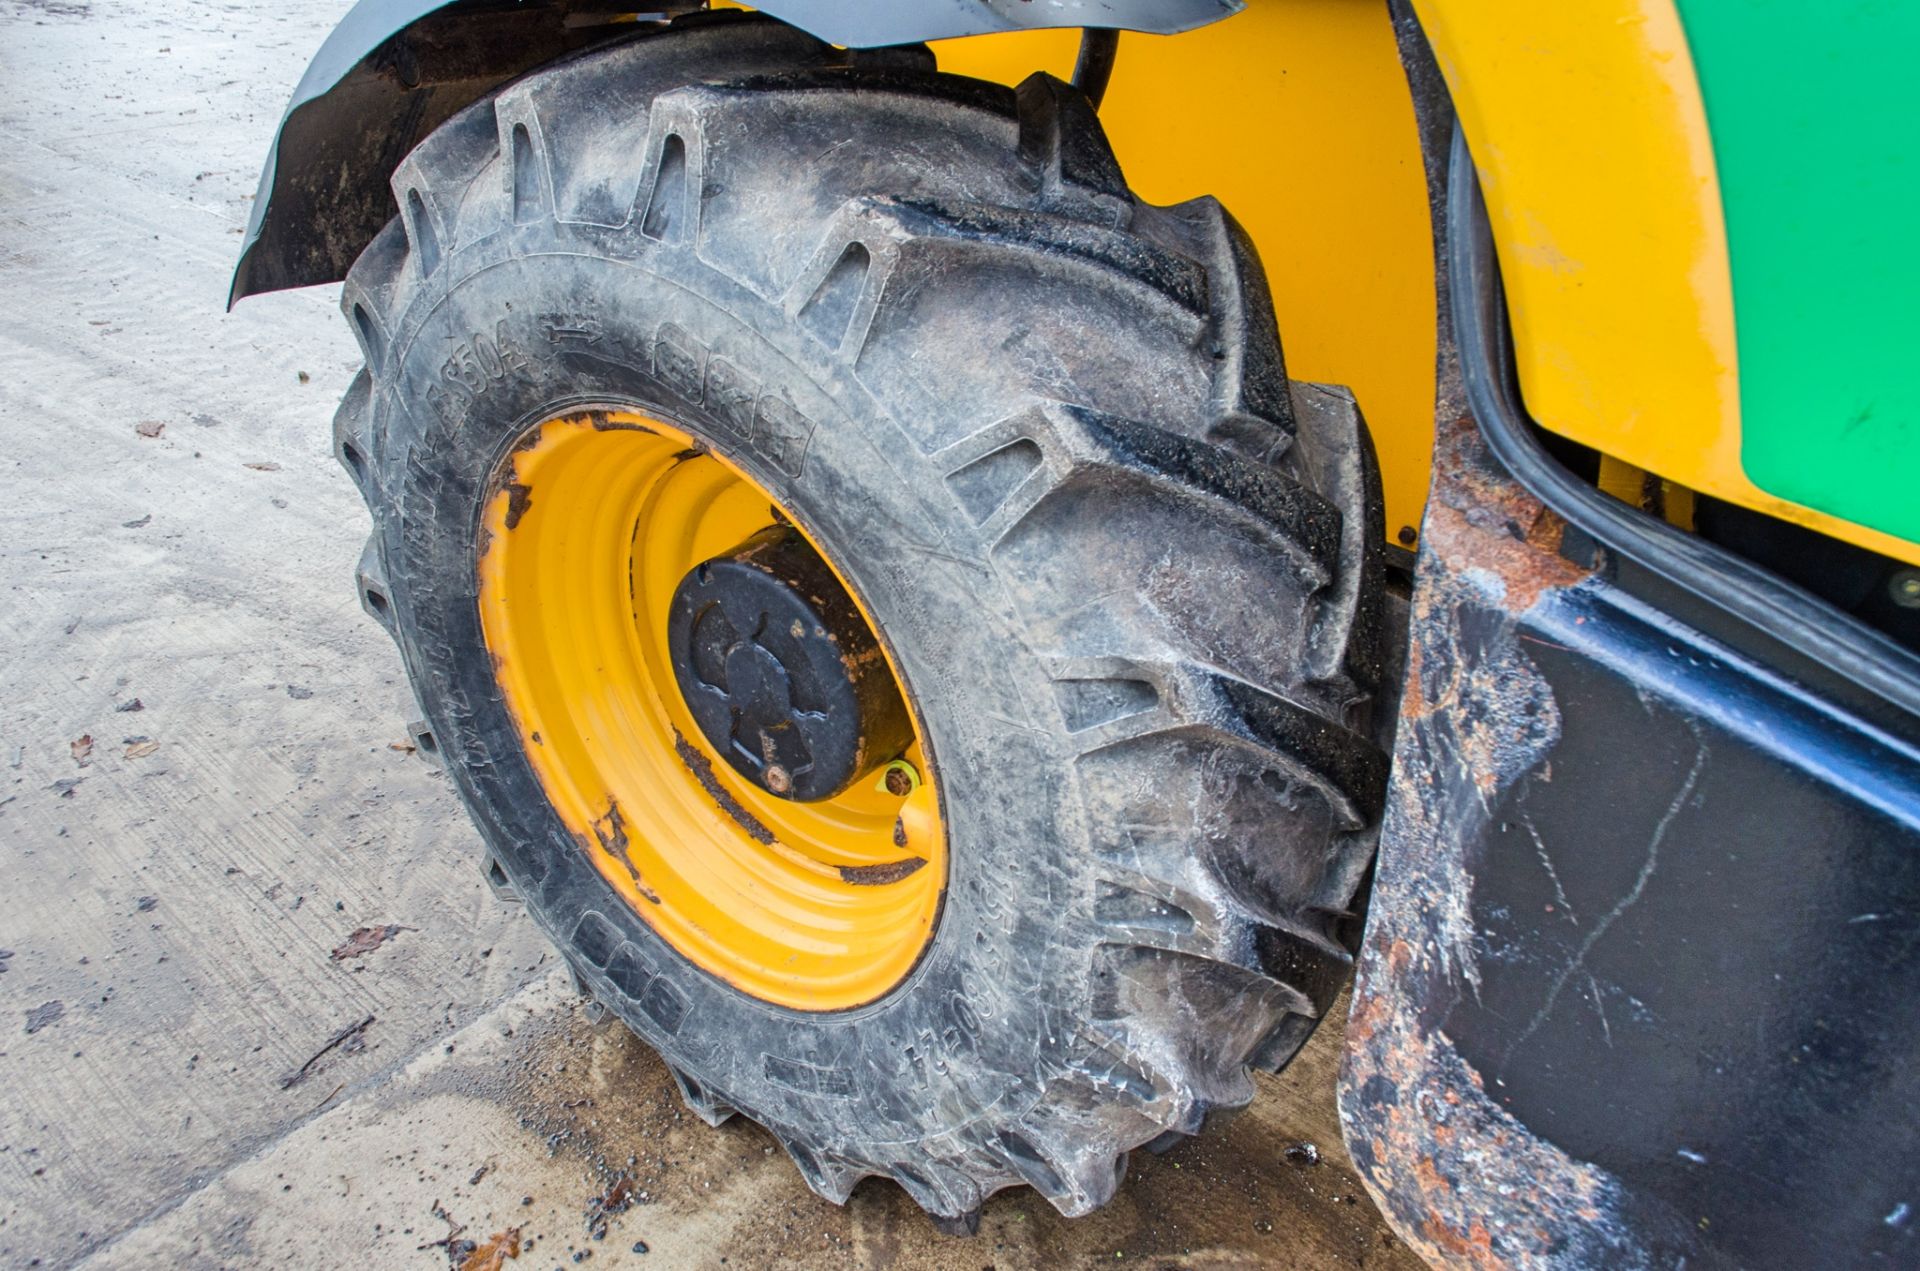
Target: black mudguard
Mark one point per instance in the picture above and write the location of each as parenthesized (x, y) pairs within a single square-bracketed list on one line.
[(1641, 970), (394, 70)]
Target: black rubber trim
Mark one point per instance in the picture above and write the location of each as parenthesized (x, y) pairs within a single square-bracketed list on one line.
[(1738, 586), (1094, 67)]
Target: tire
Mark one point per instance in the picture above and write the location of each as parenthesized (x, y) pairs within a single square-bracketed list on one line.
[(1129, 572)]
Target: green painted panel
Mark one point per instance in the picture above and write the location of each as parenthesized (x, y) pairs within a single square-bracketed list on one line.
[(1815, 114)]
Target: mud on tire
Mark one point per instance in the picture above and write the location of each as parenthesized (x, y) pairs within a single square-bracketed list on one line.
[(1128, 570)]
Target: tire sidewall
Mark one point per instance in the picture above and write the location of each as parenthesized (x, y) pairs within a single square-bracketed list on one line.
[(548, 318)]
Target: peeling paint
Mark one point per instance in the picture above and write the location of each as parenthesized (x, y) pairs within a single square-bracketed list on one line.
[(1460, 1178), (702, 769), (881, 874), (611, 830), (519, 499)]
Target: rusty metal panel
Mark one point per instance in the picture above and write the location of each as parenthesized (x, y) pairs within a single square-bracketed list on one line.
[(1461, 1178), (1642, 956), (1640, 970)]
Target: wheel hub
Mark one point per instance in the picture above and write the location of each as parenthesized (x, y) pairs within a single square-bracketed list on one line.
[(780, 670), (812, 903)]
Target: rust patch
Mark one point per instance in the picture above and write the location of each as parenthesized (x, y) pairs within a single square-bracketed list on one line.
[(1460, 1178), (519, 499), (882, 874), (702, 769), (611, 830), (1480, 518), (603, 422)]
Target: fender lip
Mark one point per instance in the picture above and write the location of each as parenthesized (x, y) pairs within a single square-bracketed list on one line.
[(366, 26), (850, 23)]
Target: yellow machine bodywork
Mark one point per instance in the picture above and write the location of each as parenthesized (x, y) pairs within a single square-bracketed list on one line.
[(1588, 130)]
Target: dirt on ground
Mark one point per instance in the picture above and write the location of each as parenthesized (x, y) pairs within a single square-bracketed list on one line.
[(257, 1006), (538, 1131)]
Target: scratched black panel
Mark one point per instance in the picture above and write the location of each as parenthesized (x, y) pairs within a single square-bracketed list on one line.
[(1698, 941)]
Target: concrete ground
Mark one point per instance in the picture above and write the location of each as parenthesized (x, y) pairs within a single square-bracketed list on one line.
[(202, 799)]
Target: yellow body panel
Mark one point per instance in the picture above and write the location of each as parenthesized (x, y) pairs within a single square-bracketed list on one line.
[(1297, 116), (1590, 137)]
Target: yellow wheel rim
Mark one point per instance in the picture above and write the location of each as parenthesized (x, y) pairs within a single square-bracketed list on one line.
[(593, 523)]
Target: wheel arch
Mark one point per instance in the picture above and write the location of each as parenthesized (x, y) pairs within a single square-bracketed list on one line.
[(392, 71)]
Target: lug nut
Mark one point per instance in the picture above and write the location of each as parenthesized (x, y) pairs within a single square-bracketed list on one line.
[(900, 779), (1905, 587), (777, 779)]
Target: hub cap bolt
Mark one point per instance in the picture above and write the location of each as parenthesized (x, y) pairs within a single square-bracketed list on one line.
[(1905, 587)]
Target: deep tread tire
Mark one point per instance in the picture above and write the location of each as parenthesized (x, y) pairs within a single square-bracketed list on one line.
[(1128, 569)]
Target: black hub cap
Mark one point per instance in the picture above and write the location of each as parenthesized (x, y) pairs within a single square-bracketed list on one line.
[(780, 670)]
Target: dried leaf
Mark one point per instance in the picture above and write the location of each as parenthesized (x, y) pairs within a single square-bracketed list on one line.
[(619, 1197), (140, 523), (367, 939), (150, 427), (268, 466), (492, 1254), (404, 747), (600, 1210), (82, 748), (127, 707), (141, 749)]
